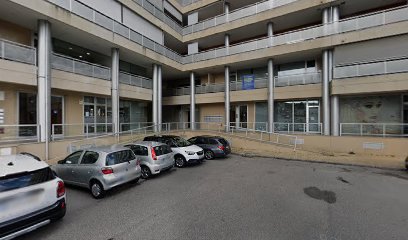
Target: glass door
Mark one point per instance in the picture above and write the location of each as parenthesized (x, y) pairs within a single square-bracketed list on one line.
[(57, 114), (313, 119)]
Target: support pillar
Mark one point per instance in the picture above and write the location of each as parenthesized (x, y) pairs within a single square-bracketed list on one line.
[(115, 89), (44, 82), (159, 97), (155, 103), (227, 98), (271, 98), (192, 101), (335, 105)]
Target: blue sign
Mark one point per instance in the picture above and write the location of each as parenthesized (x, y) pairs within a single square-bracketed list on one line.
[(248, 82)]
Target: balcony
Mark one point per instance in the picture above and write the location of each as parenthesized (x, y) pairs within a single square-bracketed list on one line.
[(381, 18), (17, 52), (72, 65), (135, 80), (388, 66), (280, 81)]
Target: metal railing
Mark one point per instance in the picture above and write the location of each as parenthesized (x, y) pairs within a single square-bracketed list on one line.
[(298, 128), (298, 79), (374, 129), (112, 25), (69, 64), (377, 67), (134, 125), (346, 25), (158, 13), (135, 80), (280, 81), (19, 133), (79, 130), (236, 14), (17, 52)]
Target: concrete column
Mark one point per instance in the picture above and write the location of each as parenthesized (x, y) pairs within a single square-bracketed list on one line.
[(271, 100), (192, 101), (270, 29), (326, 15), (335, 115), (159, 97), (226, 8), (335, 17), (237, 115), (115, 89), (227, 98), (155, 103), (227, 43), (44, 82), (325, 93)]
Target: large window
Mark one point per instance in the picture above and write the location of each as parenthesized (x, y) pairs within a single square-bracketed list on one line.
[(297, 116), (132, 115), (97, 115)]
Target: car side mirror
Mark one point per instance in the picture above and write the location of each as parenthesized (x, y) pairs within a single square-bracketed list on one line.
[(61, 162)]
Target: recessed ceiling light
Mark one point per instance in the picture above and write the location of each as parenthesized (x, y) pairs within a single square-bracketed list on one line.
[(88, 53), (80, 56), (70, 48)]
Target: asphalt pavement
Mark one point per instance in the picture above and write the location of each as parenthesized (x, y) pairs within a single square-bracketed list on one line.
[(243, 198)]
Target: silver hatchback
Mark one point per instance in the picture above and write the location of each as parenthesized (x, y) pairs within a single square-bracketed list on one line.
[(99, 169), (155, 157)]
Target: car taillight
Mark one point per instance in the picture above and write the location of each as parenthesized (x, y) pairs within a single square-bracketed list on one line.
[(221, 148), (107, 171), (154, 154), (60, 189)]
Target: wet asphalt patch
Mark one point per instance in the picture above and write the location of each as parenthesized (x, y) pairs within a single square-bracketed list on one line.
[(316, 193)]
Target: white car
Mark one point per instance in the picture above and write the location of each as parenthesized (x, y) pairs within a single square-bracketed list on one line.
[(184, 151), (31, 195)]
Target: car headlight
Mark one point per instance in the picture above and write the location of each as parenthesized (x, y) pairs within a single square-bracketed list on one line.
[(190, 152)]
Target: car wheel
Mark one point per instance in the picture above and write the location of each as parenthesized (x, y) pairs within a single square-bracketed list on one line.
[(180, 161), (209, 155), (406, 163), (97, 190), (146, 172)]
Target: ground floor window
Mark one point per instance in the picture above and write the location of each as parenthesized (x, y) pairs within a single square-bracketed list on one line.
[(239, 116), (27, 110), (97, 115), (132, 115), (297, 116), (373, 115)]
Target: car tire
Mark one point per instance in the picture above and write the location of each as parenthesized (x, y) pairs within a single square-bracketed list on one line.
[(146, 173), (406, 164), (180, 161), (97, 190), (209, 155)]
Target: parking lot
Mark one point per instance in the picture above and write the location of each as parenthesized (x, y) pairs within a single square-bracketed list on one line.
[(243, 198)]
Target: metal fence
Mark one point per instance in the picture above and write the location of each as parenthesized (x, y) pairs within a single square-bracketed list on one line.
[(135, 80), (243, 12), (134, 125), (298, 128), (110, 24), (80, 130), (19, 133), (69, 64), (17, 52), (280, 81), (374, 129), (347, 25), (387, 66)]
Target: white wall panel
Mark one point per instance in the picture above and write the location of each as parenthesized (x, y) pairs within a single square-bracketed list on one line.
[(173, 11), (109, 8), (142, 26)]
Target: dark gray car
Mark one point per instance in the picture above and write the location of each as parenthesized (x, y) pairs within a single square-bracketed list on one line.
[(214, 146)]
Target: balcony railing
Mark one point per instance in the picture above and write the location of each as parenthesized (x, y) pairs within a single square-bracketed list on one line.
[(280, 81), (68, 64), (80, 130), (394, 65), (243, 12), (135, 80), (110, 24), (19, 133), (374, 129), (17, 52), (298, 79), (347, 25)]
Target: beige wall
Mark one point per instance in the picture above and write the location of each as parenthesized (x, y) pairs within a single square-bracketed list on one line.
[(371, 84), (18, 73), (75, 82), (135, 93), (15, 33)]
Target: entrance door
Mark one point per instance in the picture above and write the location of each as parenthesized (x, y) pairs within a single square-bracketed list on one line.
[(57, 114), (313, 119), (27, 106)]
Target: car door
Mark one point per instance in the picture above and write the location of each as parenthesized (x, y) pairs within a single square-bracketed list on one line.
[(66, 168), (123, 164), (86, 168)]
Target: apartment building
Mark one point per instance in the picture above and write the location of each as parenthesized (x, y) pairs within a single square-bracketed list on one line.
[(326, 67)]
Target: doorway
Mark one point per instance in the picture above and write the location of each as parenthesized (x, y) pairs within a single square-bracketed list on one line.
[(313, 118), (239, 116)]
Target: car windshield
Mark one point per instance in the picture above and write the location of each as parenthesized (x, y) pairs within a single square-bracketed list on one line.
[(25, 179), (181, 142)]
